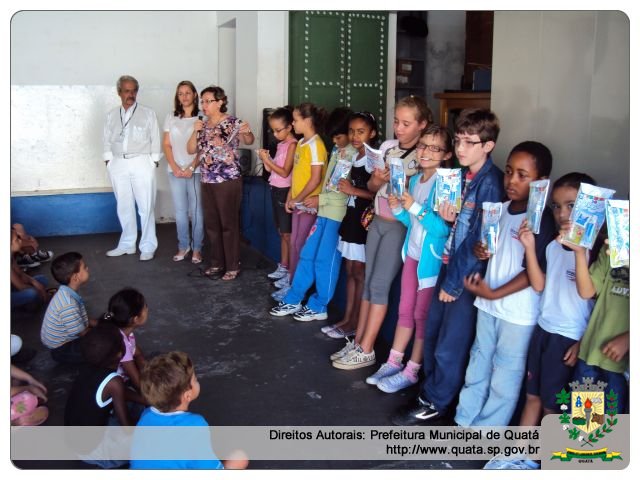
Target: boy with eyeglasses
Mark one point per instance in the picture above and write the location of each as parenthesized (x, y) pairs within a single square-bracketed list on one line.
[(450, 327)]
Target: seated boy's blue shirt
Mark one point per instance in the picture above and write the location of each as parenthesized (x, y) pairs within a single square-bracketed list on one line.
[(201, 443)]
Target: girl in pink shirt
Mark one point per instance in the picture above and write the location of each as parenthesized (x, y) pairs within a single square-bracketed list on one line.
[(281, 123), (128, 310)]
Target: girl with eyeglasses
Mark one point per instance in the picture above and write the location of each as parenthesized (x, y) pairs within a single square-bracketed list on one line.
[(281, 124), (320, 258), (426, 235)]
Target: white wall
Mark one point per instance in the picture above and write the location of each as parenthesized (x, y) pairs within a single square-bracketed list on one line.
[(64, 66), (261, 64), (562, 78), (445, 54)]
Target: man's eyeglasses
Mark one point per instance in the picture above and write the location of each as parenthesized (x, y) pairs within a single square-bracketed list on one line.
[(465, 143), (431, 148)]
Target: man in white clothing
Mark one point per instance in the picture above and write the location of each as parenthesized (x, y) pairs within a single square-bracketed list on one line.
[(131, 153)]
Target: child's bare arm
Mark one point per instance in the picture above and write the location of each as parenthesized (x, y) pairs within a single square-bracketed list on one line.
[(534, 272), (131, 370), (133, 396), (378, 179), (571, 355), (116, 389), (477, 285), (584, 284), (617, 347)]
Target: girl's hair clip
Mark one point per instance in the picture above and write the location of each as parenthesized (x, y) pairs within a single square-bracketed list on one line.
[(108, 316)]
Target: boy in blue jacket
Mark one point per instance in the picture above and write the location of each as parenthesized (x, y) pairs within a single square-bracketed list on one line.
[(450, 328)]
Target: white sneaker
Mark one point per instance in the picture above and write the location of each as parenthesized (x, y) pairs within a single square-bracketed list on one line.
[(385, 370), (116, 252), (279, 295), (355, 359), (285, 309), (146, 256), (344, 351), (278, 273), (395, 383), (283, 282), (307, 315)]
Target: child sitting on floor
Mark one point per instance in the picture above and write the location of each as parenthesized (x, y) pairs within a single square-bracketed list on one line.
[(66, 320), (169, 384)]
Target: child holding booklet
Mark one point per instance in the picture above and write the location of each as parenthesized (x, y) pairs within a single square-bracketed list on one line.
[(426, 235), (386, 235), (353, 235), (281, 124), (320, 259), (450, 326), (309, 166), (604, 348), (508, 298), (564, 315)]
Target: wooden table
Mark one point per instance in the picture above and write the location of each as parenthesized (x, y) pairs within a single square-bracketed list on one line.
[(450, 100)]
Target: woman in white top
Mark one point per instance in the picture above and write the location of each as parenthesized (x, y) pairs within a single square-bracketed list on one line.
[(184, 172)]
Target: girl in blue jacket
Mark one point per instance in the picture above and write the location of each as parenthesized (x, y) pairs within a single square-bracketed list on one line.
[(422, 251)]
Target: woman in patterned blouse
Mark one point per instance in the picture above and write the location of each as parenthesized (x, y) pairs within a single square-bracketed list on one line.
[(216, 142)]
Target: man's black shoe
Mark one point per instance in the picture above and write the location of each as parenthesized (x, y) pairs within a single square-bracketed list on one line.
[(419, 413)]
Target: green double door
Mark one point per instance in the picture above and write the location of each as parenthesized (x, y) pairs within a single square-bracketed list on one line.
[(339, 59)]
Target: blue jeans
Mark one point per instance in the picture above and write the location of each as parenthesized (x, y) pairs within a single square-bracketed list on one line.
[(187, 203), (28, 295), (448, 335), (615, 381), (495, 372), (320, 262)]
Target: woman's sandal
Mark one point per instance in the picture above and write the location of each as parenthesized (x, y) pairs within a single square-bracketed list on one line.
[(230, 275), (196, 258), (212, 271), (178, 257)]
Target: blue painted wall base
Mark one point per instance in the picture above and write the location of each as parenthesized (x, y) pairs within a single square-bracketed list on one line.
[(66, 214)]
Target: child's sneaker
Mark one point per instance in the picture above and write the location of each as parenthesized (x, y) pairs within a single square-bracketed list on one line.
[(342, 352), (279, 295), (282, 282), (42, 256), (355, 359), (385, 370), (307, 315), (285, 309), (328, 328), (27, 261), (340, 333), (395, 383), (278, 273)]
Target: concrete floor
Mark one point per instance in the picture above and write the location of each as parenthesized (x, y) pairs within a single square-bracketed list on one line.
[(254, 369)]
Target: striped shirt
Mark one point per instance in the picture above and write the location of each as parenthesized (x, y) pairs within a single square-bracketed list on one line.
[(65, 318)]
